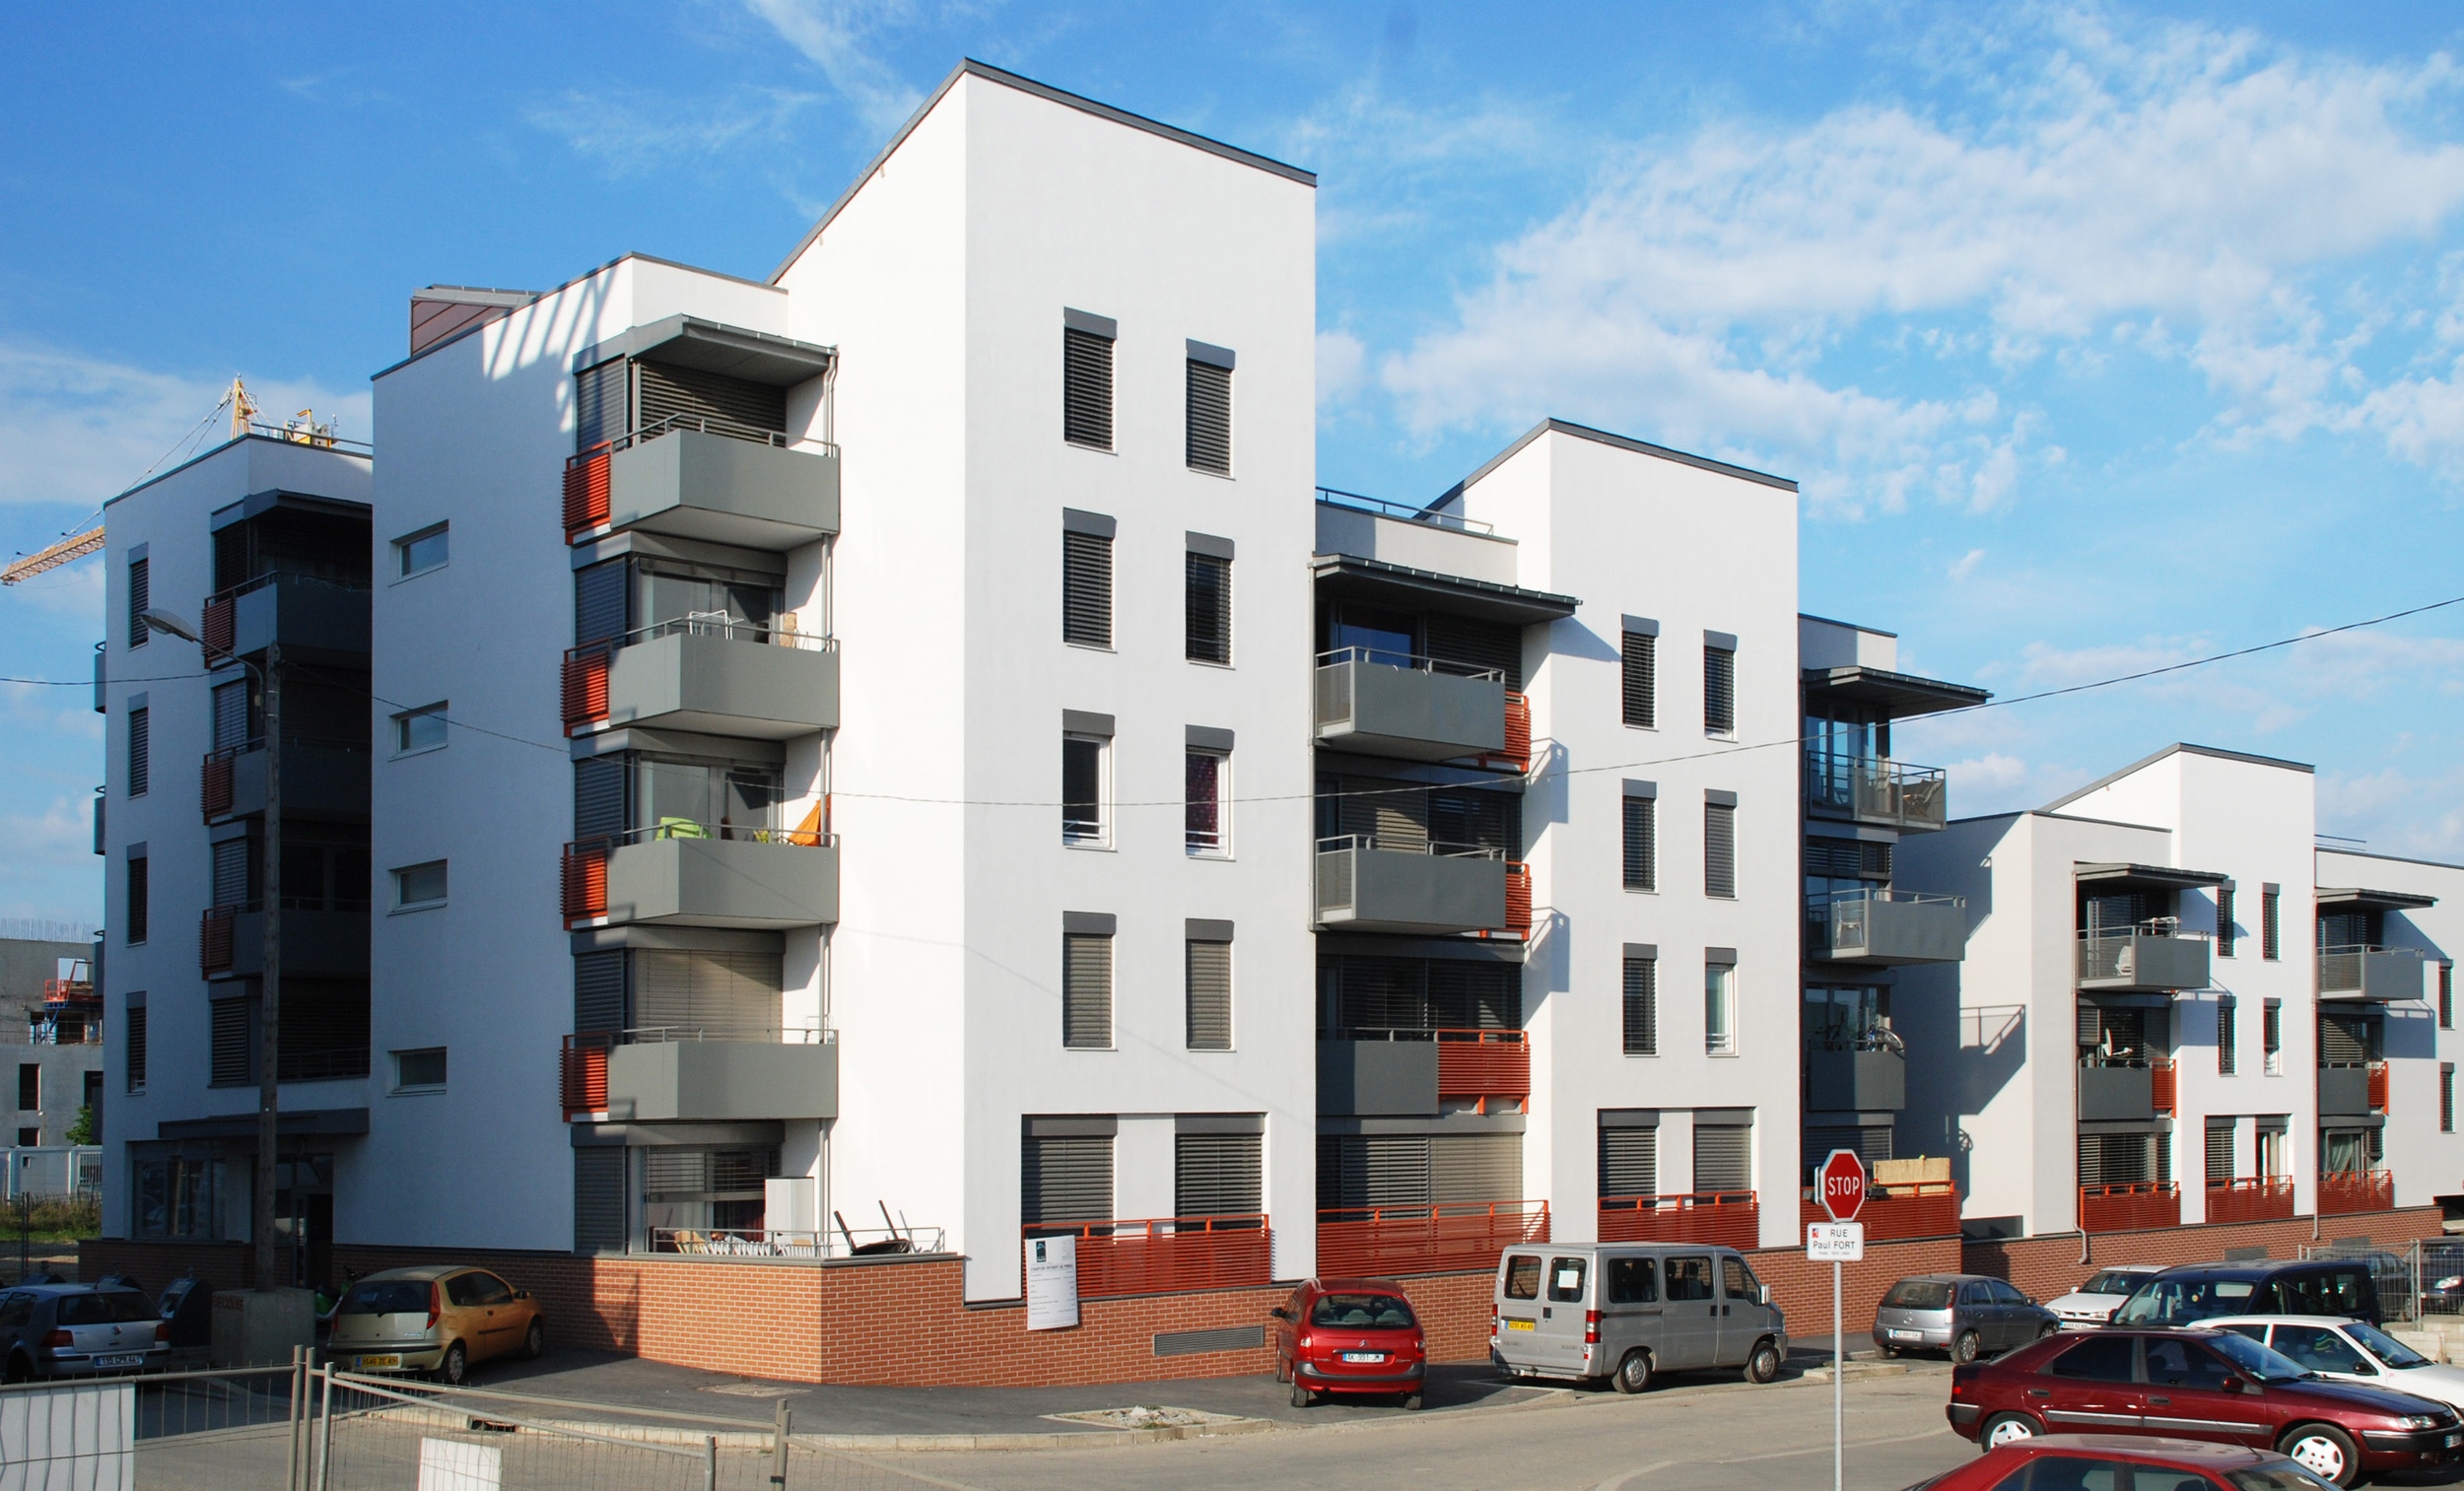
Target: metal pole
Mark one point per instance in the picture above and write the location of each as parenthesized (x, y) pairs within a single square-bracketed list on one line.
[(778, 1445), (270, 983), (710, 1461), (298, 1396), (1839, 1374), (325, 1446)]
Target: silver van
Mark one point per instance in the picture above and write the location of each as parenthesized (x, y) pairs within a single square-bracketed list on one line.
[(1624, 1310)]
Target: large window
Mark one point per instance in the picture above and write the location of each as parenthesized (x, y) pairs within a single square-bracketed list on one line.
[(1064, 1177), (1218, 1174), (692, 1189), (179, 1193)]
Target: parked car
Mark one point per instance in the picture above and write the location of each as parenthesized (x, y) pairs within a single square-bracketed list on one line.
[(1967, 1315), (1625, 1311), (79, 1331), (437, 1320), (2351, 1351), (2202, 1384), (2095, 1462), (2195, 1292), (2094, 1302), (1350, 1336)]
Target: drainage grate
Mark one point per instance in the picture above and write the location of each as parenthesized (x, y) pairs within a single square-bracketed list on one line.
[(1193, 1342)]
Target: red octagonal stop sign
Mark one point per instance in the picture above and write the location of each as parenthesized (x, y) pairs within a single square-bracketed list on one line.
[(1842, 1183)]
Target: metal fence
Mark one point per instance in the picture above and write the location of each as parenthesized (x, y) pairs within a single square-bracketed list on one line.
[(311, 1428), (2420, 1281)]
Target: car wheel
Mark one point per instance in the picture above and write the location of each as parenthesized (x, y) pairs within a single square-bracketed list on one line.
[(1964, 1349), (1302, 1397), (2005, 1429), (1414, 1402), (1764, 1364), (2050, 1330), (2324, 1450), (455, 1365), (535, 1345), (20, 1370), (1634, 1373)]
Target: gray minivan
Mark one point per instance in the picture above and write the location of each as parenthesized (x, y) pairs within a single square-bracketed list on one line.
[(1624, 1310)]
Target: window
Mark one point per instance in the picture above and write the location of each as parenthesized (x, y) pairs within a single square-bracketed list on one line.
[(1209, 611), (1086, 588), (1642, 848), (1523, 1271), (418, 553), (2220, 1155), (1210, 409), (419, 1070), (29, 1086), (1086, 991), (1208, 967), (2227, 1059), (1086, 378), (1719, 1009), (2447, 1097), (233, 1030), (140, 750), (140, 601), (2446, 996), (134, 913), (133, 1047), (1719, 848), (1642, 1006), (1633, 1281), (1629, 1160), (1718, 689), (1218, 1174), (1689, 1279), (1082, 789), (2270, 901), (2099, 1359), (2274, 1157), (2223, 921), (27, 1138), (417, 886), (1637, 658), (1066, 1179), (1206, 774), (1568, 1280), (1723, 1156), (421, 730), (2272, 1038)]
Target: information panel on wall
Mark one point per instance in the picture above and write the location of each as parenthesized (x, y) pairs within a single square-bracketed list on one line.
[(1052, 1283)]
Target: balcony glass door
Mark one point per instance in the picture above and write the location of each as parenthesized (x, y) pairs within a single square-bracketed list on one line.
[(695, 800)]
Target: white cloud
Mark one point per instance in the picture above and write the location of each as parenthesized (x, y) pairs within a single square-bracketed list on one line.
[(630, 131), (2395, 812), (1340, 365), (839, 37), (1965, 565)]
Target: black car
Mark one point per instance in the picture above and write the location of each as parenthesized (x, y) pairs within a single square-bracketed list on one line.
[(79, 1331), (2197, 1292)]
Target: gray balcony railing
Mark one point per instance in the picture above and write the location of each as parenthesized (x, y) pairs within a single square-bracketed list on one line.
[(2154, 954), (707, 672), (2367, 973), (1399, 704), (1877, 925), (707, 1075), (1878, 790), (1866, 1074), (1383, 884), (1402, 511)]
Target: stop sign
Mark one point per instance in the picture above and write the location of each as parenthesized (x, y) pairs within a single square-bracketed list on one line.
[(1842, 1185)]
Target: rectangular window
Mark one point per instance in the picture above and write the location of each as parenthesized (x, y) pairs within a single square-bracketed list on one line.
[(140, 601), (1086, 380), (1723, 1156), (1209, 611), (421, 730), (2226, 1058), (1719, 1009), (134, 913), (1086, 991), (140, 751), (29, 1086), (418, 553), (1642, 1006), (1719, 849), (2272, 1038), (2220, 1156), (1719, 690), (1210, 414), (2446, 996), (233, 1033), (1642, 847), (1218, 1176), (2223, 921), (2447, 1097), (2270, 903), (1082, 789), (1210, 974), (1065, 1179), (1629, 1162), (419, 1070), (418, 886), (1086, 589), (1208, 774), (235, 714), (27, 1138), (133, 1047), (1639, 666)]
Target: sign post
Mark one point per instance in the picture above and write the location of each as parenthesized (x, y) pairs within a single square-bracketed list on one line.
[(1840, 1184)]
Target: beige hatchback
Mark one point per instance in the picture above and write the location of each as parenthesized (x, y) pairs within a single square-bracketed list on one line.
[(437, 1320)]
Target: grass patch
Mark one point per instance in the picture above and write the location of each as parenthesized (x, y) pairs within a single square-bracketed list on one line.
[(55, 1219)]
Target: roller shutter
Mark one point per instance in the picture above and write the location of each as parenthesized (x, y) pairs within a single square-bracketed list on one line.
[(1629, 1162), (234, 872), (1360, 1171), (1469, 642), (599, 1200), (230, 714), (1642, 844), (1210, 417), (601, 404), (2220, 1156), (1210, 995), (698, 989), (599, 593), (133, 1047), (1871, 1145), (2344, 1038), (2117, 1159), (1723, 1158), (599, 796), (1086, 589), (1475, 1168), (693, 398), (1639, 665), (1719, 849), (1086, 388), (1217, 1175), (234, 1027), (1718, 689), (599, 990), (1086, 991), (140, 751), (1066, 1180)]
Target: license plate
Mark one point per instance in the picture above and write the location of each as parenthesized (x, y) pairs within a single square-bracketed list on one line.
[(138, 1360), (1907, 1335), (1364, 1356), (372, 1363), (1521, 1326)]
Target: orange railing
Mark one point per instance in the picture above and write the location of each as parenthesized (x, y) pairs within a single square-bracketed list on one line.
[(1450, 1237), (582, 1073), (1927, 1209), (585, 881), (2342, 1191), (1518, 899), (218, 625), (214, 939), (1516, 754), (2378, 1087), (2161, 1085), (1733, 1218), (1167, 1254), (2130, 1208), (1484, 1063), (585, 685), (2253, 1198), (213, 786), (586, 492)]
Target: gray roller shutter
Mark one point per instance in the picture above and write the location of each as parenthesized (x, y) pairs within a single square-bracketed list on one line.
[(234, 872), (694, 990), (1642, 1006), (1086, 991), (1207, 612), (1639, 660), (1217, 1175), (1470, 642), (1871, 1145), (1210, 417), (140, 599), (2220, 1156), (2344, 1038), (133, 1047), (140, 751), (1086, 388), (599, 1200), (230, 714), (2123, 1159), (1478, 819), (1360, 1171), (231, 1028), (1209, 995), (1723, 1158), (1066, 1180), (1719, 849), (1086, 589), (1475, 1168), (1642, 844), (2227, 1037), (694, 399), (599, 990), (1629, 1162), (601, 404), (599, 796), (1718, 689), (599, 593)]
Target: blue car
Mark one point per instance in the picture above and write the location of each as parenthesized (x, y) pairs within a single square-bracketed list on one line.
[(52, 1331)]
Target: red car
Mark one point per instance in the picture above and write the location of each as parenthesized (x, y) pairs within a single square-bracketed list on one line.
[(2094, 1462), (2202, 1384), (1350, 1336)]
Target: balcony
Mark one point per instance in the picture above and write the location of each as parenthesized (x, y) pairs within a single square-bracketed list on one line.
[(1730, 1218), (2130, 1208), (2373, 975), (868, 1242), (2341, 1192), (682, 874), (1167, 1254), (311, 615), (1369, 884), (315, 943), (1485, 1064), (2151, 956), (1870, 789), (2352, 1089), (712, 676), (705, 479), (1893, 1213), (2115, 1089), (1887, 927), (700, 1075), (1450, 1237), (2257, 1199), (1859, 1076), (1383, 1073), (1414, 709), (321, 779)]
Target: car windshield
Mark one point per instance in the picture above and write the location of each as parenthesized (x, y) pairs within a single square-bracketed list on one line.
[(388, 1297), (2256, 1360), (1919, 1294), (1363, 1311), (2176, 1302), (108, 1307), (2283, 1475), (2112, 1281), (2385, 1348)]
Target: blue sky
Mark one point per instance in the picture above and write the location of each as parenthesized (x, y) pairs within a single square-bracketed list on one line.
[(2100, 338)]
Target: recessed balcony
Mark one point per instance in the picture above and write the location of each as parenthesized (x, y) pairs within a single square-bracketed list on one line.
[(684, 874), (1368, 884), (1886, 928), (312, 616), (2372, 975), (1871, 789), (2124, 1089), (1414, 709), (321, 779), (1856, 1076), (2151, 956), (316, 943), (703, 478), (703, 1075), (713, 676)]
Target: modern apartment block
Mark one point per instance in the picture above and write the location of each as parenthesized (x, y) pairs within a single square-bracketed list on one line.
[(50, 1039)]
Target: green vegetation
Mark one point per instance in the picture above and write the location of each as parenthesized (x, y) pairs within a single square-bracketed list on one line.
[(51, 1219), (83, 1130)]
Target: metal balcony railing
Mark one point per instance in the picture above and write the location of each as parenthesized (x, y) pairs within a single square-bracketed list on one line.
[(1166, 1254), (2130, 1207), (586, 471), (1389, 844), (2154, 954), (1891, 1213), (1449, 1236), (1732, 1218), (2342, 1191), (796, 1243), (1484, 1065), (2370, 972), (584, 877), (2253, 1198), (1879, 790), (584, 681), (1336, 498)]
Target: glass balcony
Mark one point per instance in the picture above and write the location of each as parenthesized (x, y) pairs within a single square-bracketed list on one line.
[(1872, 789)]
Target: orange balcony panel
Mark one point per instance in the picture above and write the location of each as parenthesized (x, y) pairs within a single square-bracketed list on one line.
[(1373, 1241), (586, 687), (2344, 1192), (584, 882), (1167, 1254), (1484, 1063), (1732, 1218), (1929, 1209), (213, 786), (2160, 1086), (582, 1074), (2131, 1207), (2255, 1198), (586, 493), (214, 939)]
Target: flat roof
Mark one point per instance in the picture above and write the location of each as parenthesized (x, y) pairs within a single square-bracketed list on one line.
[(2110, 778), (1621, 442), (2154, 877), (2358, 897), (1342, 573), (1904, 694)]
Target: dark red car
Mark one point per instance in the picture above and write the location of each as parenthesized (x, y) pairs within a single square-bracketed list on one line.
[(1350, 1336), (2201, 1385), (2096, 1461)]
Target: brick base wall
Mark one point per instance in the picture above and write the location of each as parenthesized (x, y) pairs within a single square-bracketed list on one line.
[(2042, 1268)]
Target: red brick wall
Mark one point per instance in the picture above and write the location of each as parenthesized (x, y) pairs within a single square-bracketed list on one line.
[(2043, 1267), (1803, 1288)]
